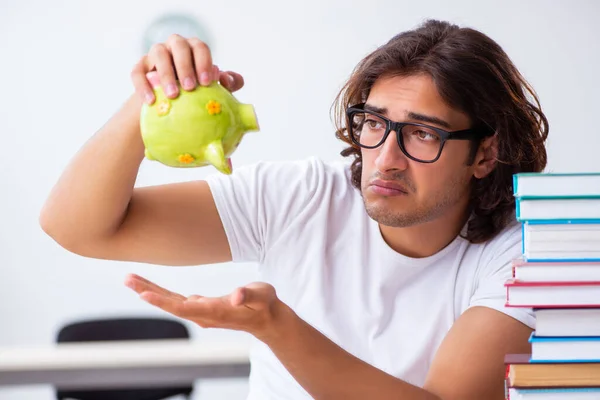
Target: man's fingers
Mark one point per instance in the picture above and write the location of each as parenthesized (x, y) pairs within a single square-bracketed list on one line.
[(238, 297), (215, 73), (140, 285), (189, 308), (231, 80), (226, 80), (164, 302), (141, 279), (254, 296), (238, 80), (184, 63), (160, 56), (142, 87), (202, 60)]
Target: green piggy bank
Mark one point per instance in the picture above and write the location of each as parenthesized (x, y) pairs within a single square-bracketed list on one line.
[(198, 128)]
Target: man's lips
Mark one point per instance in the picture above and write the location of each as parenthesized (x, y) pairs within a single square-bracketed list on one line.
[(388, 187)]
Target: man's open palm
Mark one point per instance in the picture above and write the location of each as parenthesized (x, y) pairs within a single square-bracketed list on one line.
[(249, 308)]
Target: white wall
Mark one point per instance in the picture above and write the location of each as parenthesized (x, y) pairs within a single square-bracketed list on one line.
[(64, 69)]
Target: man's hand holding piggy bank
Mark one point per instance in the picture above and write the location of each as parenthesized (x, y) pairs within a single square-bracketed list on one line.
[(184, 125)]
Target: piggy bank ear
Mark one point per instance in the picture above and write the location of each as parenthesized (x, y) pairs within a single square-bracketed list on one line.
[(153, 78)]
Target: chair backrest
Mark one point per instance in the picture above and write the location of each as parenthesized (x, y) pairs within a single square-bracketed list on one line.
[(123, 329)]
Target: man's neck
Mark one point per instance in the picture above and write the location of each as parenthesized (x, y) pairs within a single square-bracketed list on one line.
[(426, 239)]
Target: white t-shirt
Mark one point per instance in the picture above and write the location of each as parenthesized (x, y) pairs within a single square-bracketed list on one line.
[(307, 227)]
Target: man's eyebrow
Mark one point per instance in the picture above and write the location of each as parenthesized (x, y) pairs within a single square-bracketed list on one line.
[(375, 109), (411, 115), (429, 119)]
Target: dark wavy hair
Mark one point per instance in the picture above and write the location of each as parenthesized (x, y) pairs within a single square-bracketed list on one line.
[(472, 74)]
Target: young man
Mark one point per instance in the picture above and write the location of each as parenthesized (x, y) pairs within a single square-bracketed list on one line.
[(389, 272)]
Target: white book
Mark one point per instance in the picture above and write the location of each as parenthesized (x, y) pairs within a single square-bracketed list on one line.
[(567, 349), (567, 322), (557, 271), (558, 209), (558, 233), (556, 184), (566, 241), (562, 256), (590, 246), (552, 294)]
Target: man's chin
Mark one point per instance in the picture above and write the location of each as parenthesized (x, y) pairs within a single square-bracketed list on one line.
[(389, 216), (391, 220)]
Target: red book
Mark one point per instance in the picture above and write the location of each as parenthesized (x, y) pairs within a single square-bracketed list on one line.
[(552, 294)]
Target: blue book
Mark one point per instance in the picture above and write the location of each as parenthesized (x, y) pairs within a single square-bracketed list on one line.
[(543, 185), (564, 349), (554, 394), (576, 209)]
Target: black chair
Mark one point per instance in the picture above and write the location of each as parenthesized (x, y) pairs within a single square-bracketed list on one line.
[(123, 329)]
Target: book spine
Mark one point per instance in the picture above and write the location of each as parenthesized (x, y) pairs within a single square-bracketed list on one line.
[(562, 260), (506, 383), (522, 239), (545, 306), (563, 222)]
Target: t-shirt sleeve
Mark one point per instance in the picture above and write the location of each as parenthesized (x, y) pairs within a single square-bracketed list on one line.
[(256, 203), (490, 290)]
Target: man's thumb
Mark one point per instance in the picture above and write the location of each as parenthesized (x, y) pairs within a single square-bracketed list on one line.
[(255, 295)]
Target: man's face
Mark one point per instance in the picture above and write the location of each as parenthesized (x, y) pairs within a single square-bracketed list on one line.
[(427, 191)]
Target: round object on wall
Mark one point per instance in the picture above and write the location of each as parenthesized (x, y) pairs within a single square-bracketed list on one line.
[(182, 24)]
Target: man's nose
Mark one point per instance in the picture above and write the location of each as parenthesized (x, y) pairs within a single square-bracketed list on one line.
[(390, 155)]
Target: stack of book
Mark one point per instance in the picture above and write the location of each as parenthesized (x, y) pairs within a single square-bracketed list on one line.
[(559, 277)]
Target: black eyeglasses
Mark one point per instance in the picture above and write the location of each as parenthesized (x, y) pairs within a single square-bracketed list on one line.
[(419, 142)]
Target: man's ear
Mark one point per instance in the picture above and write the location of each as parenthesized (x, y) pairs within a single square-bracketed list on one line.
[(486, 157)]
